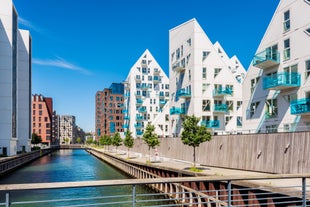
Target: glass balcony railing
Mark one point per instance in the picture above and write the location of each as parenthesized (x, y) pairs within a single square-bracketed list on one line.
[(139, 101), (281, 81), (184, 93), (125, 111), (300, 106), (156, 79), (222, 92), (211, 123), (177, 110), (162, 102), (139, 117), (139, 132), (161, 94), (127, 94), (144, 86), (138, 125), (266, 59), (142, 109), (221, 108), (125, 126), (126, 117), (178, 67)]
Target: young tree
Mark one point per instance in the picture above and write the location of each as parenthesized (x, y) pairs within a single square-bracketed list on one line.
[(117, 140), (79, 140), (107, 141), (89, 141), (35, 139), (193, 135), (101, 141), (150, 138), (128, 141), (67, 140)]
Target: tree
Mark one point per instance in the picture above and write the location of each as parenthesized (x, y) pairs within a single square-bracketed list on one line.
[(79, 140), (150, 138), (193, 135), (67, 140), (35, 139), (117, 140), (89, 140), (101, 141), (128, 141), (107, 141)]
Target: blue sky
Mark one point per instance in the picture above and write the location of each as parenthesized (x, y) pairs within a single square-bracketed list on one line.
[(80, 47)]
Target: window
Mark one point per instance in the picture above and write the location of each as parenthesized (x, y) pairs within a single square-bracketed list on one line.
[(239, 104), (286, 22), (144, 70), (239, 121), (205, 105), (205, 55), (307, 69), (166, 86), (149, 78), (189, 75), (204, 73), (189, 42), (204, 87), (230, 105), (307, 31), (40, 112), (271, 108), (254, 82), (166, 117), (271, 129), (217, 71), (181, 50), (227, 119), (307, 1), (287, 50), (178, 53), (253, 108)]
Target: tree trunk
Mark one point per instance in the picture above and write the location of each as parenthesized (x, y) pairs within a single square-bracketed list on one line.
[(149, 155), (194, 157), (128, 152)]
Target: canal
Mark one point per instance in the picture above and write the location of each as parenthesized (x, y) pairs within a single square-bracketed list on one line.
[(68, 166)]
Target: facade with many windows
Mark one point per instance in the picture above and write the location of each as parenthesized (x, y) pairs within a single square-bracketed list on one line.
[(109, 106), (276, 91), (15, 83), (204, 81), (67, 129), (146, 97)]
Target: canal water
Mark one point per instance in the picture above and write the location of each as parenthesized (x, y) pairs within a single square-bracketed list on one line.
[(67, 166)]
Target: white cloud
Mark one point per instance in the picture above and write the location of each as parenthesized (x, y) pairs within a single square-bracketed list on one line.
[(28, 24), (60, 63)]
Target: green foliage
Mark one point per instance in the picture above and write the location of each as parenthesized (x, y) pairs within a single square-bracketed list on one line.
[(79, 140), (107, 140), (193, 134), (128, 141), (150, 138), (35, 139), (195, 169), (117, 140), (101, 141), (67, 140), (89, 140)]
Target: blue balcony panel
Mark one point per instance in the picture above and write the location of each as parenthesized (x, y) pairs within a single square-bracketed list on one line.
[(281, 81), (126, 117), (300, 106), (139, 101), (162, 102), (266, 59), (124, 111), (178, 111), (211, 123), (138, 125), (183, 93), (220, 92), (220, 108), (139, 117), (142, 110), (125, 126), (139, 132)]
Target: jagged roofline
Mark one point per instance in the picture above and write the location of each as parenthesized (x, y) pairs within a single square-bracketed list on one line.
[(149, 54)]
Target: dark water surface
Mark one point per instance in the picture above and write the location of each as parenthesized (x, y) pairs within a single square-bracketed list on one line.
[(67, 166)]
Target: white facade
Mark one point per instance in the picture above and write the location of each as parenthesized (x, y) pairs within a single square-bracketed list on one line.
[(277, 86), (67, 129), (203, 81), (15, 82), (146, 95)]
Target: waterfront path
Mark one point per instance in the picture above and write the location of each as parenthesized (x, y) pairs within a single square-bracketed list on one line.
[(180, 165)]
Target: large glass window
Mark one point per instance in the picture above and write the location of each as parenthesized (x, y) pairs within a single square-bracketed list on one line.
[(286, 22), (271, 108), (287, 50), (307, 69), (205, 105), (253, 108), (204, 73), (254, 82), (217, 71), (239, 121)]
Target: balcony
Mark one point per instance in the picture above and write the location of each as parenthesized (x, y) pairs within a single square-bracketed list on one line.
[(127, 94), (211, 123), (125, 126), (121, 105), (139, 117), (161, 94), (178, 67), (156, 71), (126, 117), (144, 86), (144, 63), (125, 111), (142, 109), (139, 101), (178, 111), (300, 106), (220, 108), (138, 94), (162, 102), (139, 132), (266, 59), (183, 93), (281, 81), (221, 92), (138, 78), (138, 125), (156, 79)]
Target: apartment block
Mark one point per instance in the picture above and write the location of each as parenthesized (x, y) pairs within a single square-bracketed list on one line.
[(146, 97), (15, 83), (67, 129), (42, 118), (109, 106), (277, 86), (204, 81)]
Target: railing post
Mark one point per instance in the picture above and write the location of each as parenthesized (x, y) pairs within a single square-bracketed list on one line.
[(133, 195), (229, 193), (304, 192), (7, 200)]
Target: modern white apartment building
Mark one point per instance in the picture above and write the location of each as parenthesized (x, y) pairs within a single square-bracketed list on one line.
[(276, 90), (67, 129), (204, 81), (146, 97), (15, 83)]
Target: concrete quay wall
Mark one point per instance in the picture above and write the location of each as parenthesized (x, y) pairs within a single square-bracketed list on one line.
[(283, 153)]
